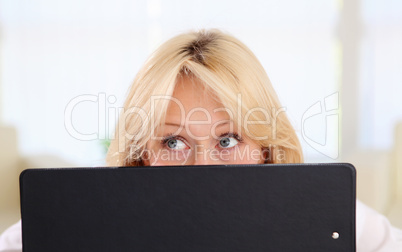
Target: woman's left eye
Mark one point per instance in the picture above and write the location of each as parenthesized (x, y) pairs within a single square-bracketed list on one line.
[(228, 142)]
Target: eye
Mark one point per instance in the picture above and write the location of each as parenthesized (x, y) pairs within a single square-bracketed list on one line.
[(228, 142), (175, 143)]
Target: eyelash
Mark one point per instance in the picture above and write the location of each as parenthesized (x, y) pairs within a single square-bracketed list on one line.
[(170, 137), (231, 134)]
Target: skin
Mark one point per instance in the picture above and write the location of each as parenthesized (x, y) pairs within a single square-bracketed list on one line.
[(202, 135)]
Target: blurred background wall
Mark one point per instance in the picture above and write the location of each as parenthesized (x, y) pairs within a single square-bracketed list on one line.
[(336, 66)]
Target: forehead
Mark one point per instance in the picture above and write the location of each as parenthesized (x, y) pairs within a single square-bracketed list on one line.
[(194, 98)]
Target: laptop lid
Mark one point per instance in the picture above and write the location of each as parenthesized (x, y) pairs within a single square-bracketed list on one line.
[(286, 207)]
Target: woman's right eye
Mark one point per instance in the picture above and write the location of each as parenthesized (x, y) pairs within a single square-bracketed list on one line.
[(175, 144)]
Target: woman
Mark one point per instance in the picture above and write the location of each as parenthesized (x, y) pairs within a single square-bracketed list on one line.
[(203, 98), (212, 68)]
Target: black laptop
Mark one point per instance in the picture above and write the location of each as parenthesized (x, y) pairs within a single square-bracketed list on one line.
[(250, 208)]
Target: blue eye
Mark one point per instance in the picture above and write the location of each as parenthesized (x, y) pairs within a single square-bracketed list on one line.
[(228, 142), (175, 144)]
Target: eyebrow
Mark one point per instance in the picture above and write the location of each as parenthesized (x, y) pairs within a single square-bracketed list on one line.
[(173, 124), (179, 125)]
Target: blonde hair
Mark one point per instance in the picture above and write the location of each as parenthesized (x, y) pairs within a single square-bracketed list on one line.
[(224, 65)]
